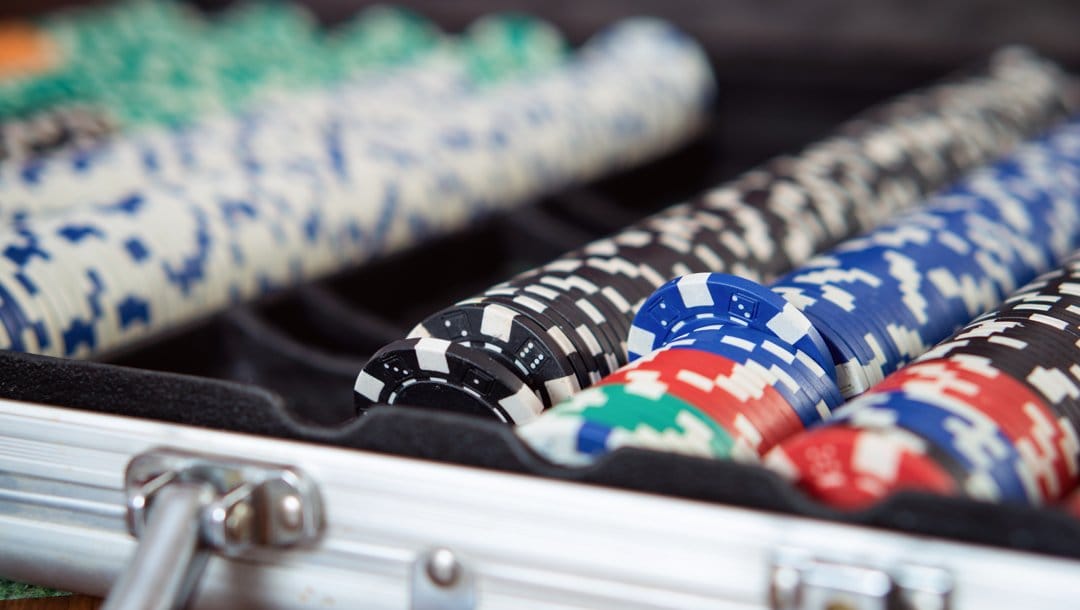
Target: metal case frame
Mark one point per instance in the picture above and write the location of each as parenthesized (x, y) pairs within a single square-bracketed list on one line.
[(519, 541)]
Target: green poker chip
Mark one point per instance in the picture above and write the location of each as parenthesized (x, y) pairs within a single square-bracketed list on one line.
[(145, 62), (638, 414), (381, 35), (502, 46)]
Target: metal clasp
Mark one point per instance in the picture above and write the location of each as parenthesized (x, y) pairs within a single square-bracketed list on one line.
[(183, 506), (802, 581)]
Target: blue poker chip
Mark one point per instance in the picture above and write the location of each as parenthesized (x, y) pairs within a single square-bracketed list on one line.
[(803, 383), (993, 466), (849, 285), (882, 299), (21, 330), (953, 291), (897, 302), (990, 244), (707, 298), (1027, 198), (1004, 236), (592, 437), (855, 343)]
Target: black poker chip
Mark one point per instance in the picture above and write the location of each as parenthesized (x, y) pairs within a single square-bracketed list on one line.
[(521, 344), (1044, 359), (437, 373), (581, 321), (556, 329), (600, 303), (1033, 337), (594, 303)]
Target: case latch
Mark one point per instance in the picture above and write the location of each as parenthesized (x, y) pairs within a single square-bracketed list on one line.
[(183, 506), (802, 581)]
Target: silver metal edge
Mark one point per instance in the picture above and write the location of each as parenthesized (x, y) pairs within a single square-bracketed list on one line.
[(530, 542)]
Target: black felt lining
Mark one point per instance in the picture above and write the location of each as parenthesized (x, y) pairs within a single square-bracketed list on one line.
[(432, 435)]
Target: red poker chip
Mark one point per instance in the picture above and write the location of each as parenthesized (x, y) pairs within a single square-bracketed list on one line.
[(852, 468), (752, 411), (1045, 441)]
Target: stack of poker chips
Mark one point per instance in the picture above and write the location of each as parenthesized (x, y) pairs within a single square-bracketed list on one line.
[(308, 193), (721, 387), (562, 327), (721, 363), (77, 76), (150, 62), (286, 130), (991, 413)]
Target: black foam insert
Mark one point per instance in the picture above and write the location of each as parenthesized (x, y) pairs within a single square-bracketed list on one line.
[(475, 442)]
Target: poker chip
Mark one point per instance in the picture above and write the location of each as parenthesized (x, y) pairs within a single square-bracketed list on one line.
[(883, 299), (1046, 301), (292, 192), (999, 401), (604, 418), (1071, 505), (387, 91), (615, 290), (806, 387), (752, 411), (993, 470), (535, 45), (577, 341), (25, 50), (542, 360), (588, 323), (706, 298), (1033, 354), (601, 309), (421, 371), (149, 63), (877, 302), (777, 216), (1046, 441), (853, 468)]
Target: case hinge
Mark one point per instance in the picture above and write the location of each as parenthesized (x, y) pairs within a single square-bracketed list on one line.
[(802, 581), (184, 506)]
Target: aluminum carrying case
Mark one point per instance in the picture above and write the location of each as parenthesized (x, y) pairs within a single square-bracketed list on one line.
[(223, 462)]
